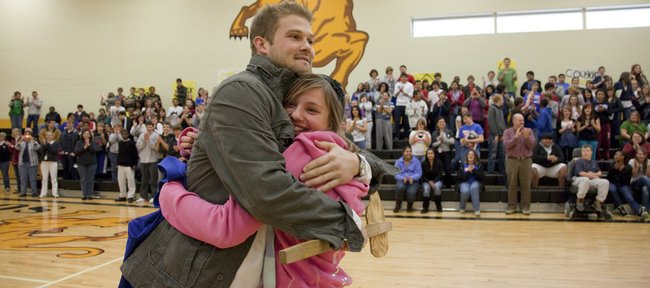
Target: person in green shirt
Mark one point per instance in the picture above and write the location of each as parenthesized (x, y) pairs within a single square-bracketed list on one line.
[(16, 110), (508, 76), (632, 125)]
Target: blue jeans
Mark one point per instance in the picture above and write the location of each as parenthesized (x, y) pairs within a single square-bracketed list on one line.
[(593, 144), (426, 189), (112, 157), (101, 158), (496, 156), (4, 168), (361, 144), (32, 121), (410, 189), (473, 190), (28, 173), (623, 190), (17, 121), (643, 185), (87, 175)]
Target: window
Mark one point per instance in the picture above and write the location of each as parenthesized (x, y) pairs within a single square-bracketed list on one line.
[(534, 21), (539, 21), (470, 25), (602, 18)]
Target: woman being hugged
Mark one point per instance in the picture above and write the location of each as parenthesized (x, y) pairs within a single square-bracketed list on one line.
[(317, 116)]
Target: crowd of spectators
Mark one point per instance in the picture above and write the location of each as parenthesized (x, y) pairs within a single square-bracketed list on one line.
[(128, 136), (130, 133), (555, 118)]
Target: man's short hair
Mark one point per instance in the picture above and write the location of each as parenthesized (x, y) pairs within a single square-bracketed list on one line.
[(402, 66), (403, 75), (437, 75), (548, 136), (519, 100), (586, 146), (548, 86), (543, 102), (530, 73), (80, 106), (389, 69), (265, 24), (467, 114), (147, 123)]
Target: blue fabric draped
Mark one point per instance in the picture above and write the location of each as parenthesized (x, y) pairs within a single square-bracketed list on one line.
[(140, 228)]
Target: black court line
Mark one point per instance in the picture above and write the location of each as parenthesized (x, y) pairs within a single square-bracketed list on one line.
[(80, 203), (469, 218), (483, 218)]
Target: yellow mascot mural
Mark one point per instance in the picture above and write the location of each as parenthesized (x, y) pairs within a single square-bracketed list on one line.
[(336, 34)]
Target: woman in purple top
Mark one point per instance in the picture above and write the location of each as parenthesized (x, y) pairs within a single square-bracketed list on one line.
[(407, 180)]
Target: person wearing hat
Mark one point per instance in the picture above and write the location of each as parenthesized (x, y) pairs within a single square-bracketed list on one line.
[(548, 161)]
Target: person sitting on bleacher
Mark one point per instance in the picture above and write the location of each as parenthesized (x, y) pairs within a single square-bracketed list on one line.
[(548, 161), (589, 176), (619, 176), (407, 180), (637, 142), (641, 174)]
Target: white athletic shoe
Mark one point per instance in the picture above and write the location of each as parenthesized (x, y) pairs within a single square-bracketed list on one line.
[(140, 200)]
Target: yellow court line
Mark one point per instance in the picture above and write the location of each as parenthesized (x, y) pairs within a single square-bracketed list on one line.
[(24, 279), (81, 272)]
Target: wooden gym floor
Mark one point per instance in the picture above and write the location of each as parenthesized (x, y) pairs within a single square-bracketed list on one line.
[(67, 243)]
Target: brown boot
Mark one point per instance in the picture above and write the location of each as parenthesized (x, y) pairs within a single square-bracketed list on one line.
[(398, 206)]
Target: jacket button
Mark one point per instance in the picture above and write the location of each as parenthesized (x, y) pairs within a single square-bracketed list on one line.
[(219, 277)]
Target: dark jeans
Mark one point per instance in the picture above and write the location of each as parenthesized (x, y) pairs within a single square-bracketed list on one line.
[(401, 122), (101, 158), (28, 174), (445, 157), (69, 173), (149, 179), (410, 189), (496, 156), (32, 121), (624, 191), (639, 185), (87, 175), (17, 173), (4, 168)]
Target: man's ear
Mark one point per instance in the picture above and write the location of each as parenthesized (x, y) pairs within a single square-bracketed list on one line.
[(261, 45)]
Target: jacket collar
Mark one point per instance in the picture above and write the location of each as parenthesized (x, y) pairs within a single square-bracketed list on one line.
[(278, 79)]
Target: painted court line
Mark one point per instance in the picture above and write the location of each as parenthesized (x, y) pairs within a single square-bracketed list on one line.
[(24, 279), (81, 272)]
